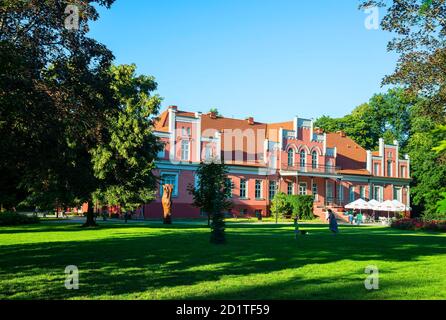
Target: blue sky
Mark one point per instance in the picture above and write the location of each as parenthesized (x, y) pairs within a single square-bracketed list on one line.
[(271, 59)]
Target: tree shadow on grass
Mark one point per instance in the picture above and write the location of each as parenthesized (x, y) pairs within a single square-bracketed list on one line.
[(127, 264)]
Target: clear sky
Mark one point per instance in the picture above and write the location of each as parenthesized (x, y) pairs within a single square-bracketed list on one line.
[(271, 59)]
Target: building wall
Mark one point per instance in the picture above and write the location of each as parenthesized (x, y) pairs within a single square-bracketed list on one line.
[(204, 130)]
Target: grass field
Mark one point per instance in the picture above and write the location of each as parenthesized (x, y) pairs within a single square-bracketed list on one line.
[(259, 261)]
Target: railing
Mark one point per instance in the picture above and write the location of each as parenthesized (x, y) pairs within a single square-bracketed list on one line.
[(310, 168), (332, 201)]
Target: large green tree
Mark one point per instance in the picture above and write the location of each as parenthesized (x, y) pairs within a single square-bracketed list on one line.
[(54, 91), (71, 124), (123, 163), (212, 194), (428, 168), (419, 29)]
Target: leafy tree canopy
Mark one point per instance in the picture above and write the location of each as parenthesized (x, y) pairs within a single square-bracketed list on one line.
[(385, 115)]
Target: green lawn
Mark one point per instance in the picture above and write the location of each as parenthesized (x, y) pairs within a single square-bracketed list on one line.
[(260, 261)]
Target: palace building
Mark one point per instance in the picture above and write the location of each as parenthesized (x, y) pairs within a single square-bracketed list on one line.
[(265, 158)]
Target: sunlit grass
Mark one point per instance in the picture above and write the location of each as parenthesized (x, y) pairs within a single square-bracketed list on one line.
[(259, 261)]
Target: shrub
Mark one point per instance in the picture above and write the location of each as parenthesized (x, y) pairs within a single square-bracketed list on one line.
[(280, 206), (417, 224), (302, 206), (13, 219)]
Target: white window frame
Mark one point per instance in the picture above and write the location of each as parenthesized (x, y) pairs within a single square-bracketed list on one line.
[(272, 183), (340, 192), (245, 189), (301, 184), (362, 192), (290, 157), (403, 171), (376, 169), (389, 166), (314, 190), (288, 188), (208, 154), (351, 193), (380, 195), (259, 189), (183, 143), (303, 160), (399, 190), (314, 160)]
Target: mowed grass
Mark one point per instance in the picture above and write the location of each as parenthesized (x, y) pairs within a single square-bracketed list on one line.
[(259, 261)]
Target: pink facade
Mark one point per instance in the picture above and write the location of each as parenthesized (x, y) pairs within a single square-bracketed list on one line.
[(263, 159)]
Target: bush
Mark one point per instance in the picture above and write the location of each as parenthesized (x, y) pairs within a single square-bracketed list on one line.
[(13, 219), (417, 224), (295, 205), (280, 206), (302, 206)]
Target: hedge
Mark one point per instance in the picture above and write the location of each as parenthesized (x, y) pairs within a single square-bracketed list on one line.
[(418, 224), (13, 219)]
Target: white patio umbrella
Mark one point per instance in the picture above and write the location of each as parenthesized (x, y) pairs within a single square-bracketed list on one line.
[(374, 206), (399, 205), (388, 206), (359, 204)]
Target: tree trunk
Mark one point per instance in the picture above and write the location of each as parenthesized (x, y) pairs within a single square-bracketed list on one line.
[(209, 219), (90, 216)]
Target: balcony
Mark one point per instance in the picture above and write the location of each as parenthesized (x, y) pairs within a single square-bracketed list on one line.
[(310, 168), (334, 202)]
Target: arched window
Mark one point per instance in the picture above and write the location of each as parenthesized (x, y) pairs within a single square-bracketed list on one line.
[(290, 157), (314, 159), (303, 161)]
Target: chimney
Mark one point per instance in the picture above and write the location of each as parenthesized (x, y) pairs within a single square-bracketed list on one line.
[(369, 160), (318, 130), (250, 121), (341, 133), (213, 115), (173, 108)]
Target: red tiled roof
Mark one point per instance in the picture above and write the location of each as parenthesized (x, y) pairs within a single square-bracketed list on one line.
[(273, 129), (211, 125), (186, 114), (350, 155), (161, 122)]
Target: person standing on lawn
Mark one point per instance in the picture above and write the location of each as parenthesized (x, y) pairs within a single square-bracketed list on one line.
[(359, 219), (296, 227), (350, 217), (332, 223)]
